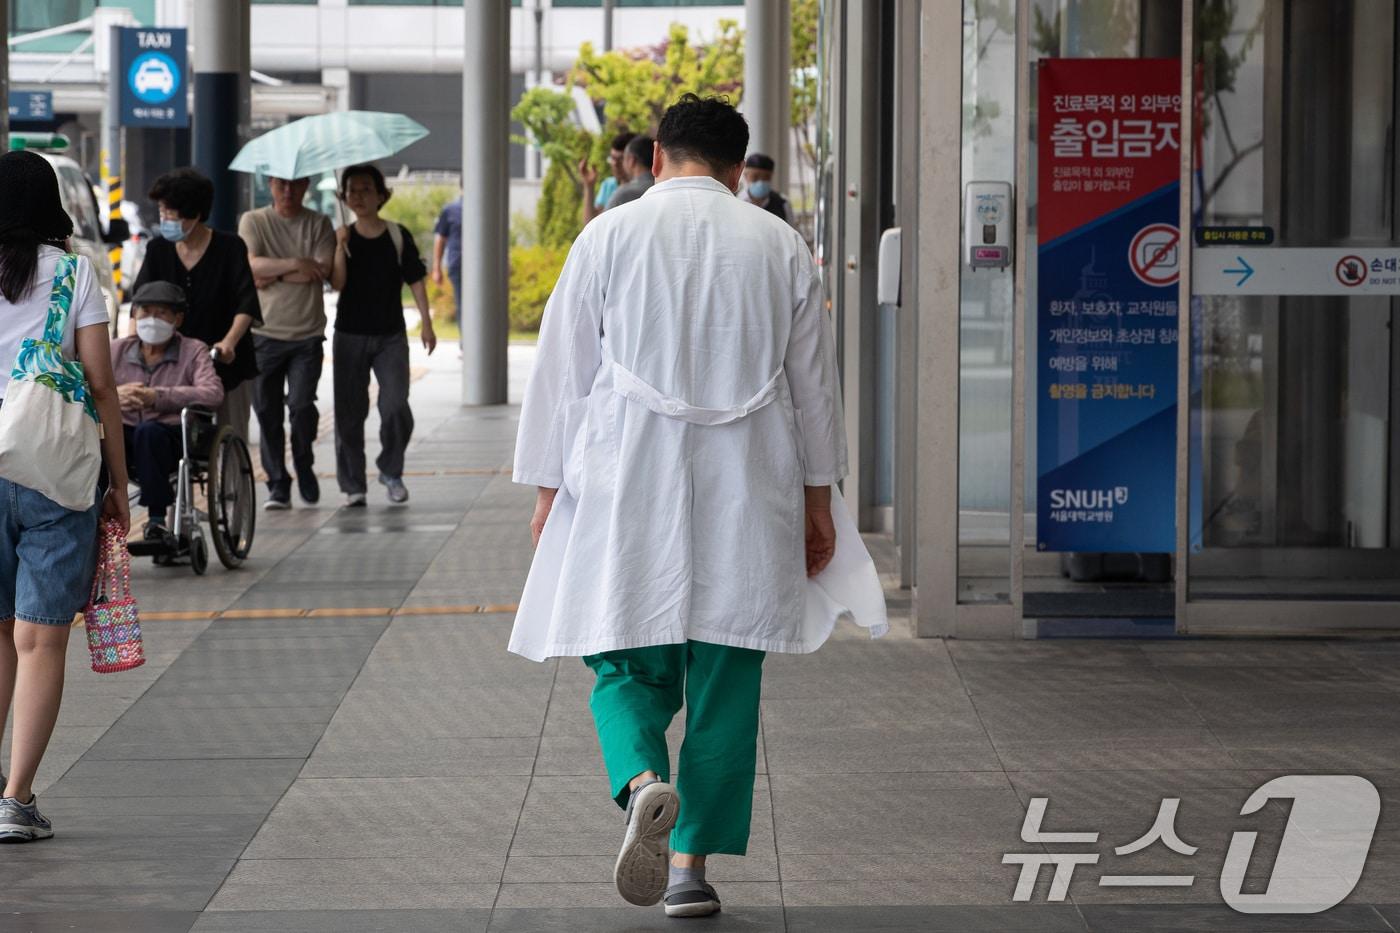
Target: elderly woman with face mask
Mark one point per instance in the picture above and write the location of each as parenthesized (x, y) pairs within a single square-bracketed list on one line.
[(158, 373)]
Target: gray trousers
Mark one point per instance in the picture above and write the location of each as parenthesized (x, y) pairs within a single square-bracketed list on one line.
[(355, 357), (288, 371)]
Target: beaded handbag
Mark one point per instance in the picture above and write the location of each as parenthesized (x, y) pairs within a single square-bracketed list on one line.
[(113, 628)]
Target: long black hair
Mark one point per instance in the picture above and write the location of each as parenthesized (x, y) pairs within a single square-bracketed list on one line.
[(31, 215)]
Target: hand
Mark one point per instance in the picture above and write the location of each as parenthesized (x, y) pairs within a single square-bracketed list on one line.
[(821, 538), (134, 396), (342, 235), (587, 173), (544, 501), (429, 336), (224, 350), (437, 276), (310, 268), (117, 508), (263, 282)]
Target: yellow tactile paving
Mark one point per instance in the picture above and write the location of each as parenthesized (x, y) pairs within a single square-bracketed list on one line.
[(437, 611), (359, 612)]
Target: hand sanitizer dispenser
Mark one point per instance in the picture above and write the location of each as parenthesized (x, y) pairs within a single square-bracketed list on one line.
[(988, 222)]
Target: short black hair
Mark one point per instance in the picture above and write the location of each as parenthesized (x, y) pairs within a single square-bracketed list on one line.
[(620, 141), (640, 148), (368, 171), (186, 192), (759, 161), (704, 129)]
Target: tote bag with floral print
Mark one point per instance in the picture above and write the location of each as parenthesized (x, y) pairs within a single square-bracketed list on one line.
[(49, 429)]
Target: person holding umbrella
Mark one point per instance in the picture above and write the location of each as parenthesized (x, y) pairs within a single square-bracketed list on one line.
[(290, 250), (374, 260)]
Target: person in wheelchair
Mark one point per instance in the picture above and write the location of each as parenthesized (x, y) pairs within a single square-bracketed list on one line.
[(159, 373)]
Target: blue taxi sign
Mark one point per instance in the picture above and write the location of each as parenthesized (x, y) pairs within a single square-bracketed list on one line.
[(152, 68)]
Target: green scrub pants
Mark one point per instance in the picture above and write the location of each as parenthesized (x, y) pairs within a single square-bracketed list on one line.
[(639, 691)]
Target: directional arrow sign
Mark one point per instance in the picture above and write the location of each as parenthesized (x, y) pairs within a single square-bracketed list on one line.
[(1272, 270), (1245, 272)]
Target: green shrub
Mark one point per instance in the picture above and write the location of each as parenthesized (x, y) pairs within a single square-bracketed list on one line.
[(560, 211), (533, 272)]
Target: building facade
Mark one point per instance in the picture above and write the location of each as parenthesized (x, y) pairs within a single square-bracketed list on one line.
[(1202, 246)]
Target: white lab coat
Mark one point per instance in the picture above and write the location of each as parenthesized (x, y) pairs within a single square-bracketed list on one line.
[(684, 391)]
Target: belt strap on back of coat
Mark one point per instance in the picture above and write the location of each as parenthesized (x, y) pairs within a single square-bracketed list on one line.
[(628, 385)]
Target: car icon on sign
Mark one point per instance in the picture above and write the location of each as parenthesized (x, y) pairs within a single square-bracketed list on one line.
[(153, 75)]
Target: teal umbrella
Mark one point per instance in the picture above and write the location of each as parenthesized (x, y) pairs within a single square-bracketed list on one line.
[(326, 142)]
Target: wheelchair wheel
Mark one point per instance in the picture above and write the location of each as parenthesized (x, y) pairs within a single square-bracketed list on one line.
[(232, 495), (199, 555)]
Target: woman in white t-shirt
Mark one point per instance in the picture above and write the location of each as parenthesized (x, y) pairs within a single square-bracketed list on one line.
[(47, 552)]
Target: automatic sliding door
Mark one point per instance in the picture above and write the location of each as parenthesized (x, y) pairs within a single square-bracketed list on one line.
[(1295, 270)]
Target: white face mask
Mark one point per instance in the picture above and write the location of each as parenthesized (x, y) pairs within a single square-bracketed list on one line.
[(154, 331)]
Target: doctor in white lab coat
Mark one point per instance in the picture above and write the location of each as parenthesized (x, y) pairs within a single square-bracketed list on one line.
[(684, 428)]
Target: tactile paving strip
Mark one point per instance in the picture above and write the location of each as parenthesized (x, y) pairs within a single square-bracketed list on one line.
[(328, 613)]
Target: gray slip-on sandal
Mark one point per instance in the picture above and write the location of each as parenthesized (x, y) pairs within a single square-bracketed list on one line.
[(691, 899), (642, 866)]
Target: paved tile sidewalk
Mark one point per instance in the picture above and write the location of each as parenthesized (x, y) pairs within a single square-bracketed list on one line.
[(381, 763)]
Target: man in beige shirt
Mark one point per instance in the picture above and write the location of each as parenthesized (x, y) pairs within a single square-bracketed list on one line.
[(290, 249)]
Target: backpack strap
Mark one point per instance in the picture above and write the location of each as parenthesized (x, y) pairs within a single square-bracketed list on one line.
[(65, 279), (396, 237)]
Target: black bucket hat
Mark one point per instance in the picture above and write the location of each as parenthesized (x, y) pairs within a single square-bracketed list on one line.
[(159, 293), (30, 208)]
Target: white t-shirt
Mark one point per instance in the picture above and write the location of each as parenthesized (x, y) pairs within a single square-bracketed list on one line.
[(27, 319)]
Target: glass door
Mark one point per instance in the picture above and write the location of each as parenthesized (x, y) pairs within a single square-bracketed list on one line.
[(1294, 452)]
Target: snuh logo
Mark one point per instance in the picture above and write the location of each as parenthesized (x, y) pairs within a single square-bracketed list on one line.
[(1089, 498)]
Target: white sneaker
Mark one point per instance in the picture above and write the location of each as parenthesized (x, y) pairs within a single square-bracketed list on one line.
[(277, 505), (643, 866), (355, 500), (22, 822)]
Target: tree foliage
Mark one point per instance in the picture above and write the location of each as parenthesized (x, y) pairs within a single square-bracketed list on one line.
[(548, 118), (632, 89), (635, 86)]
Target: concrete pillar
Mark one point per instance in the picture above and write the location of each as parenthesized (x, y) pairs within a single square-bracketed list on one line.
[(485, 200), (221, 112), (339, 79), (608, 25), (767, 82)]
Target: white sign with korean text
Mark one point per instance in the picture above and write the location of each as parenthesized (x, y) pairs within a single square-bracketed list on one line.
[(1270, 270)]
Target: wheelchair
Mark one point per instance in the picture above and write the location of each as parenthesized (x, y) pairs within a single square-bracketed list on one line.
[(216, 461)]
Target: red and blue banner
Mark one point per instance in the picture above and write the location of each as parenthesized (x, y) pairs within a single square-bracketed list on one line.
[(1109, 263)]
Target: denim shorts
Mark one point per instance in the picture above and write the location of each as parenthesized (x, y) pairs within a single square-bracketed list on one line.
[(47, 556)]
